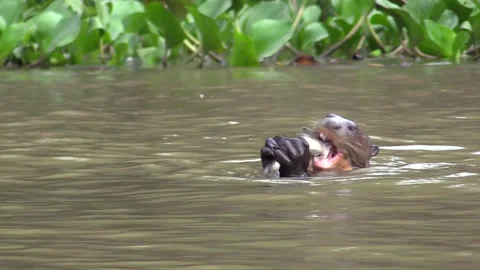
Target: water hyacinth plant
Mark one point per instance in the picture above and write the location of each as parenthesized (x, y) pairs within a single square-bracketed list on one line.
[(233, 32)]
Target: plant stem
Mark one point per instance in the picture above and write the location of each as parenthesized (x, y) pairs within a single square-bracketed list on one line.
[(292, 49), (298, 17), (376, 37), (190, 59), (398, 50), (350, 34), (190, 46), (360, 44), (424, 55), (102, 54), (192, 38)]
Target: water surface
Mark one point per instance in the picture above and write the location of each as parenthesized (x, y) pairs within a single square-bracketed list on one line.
[(152, 169)]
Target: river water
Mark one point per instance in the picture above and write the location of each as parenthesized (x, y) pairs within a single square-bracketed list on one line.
[(151, 169)]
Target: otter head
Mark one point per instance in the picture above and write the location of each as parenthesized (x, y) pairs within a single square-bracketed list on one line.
[(343, 145)]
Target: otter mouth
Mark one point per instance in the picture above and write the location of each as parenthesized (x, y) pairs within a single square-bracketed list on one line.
[(329, 159)]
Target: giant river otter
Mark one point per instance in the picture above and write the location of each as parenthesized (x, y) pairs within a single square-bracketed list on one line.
[(334, 144)]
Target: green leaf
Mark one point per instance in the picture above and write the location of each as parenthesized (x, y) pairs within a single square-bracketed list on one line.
[(66, 32), (442, 36), (466, 25), (136, 23), (356, 8), (386, 4), (312, 33), (121, 9), (335, 33), (376, 53), (459, 43), (277, 10), (425, 9), (149, 55), (312, 14), (3, 23), (208, 31), (213, 8), (46, 21), (11, 37), (75, 5), (165, 20), (243, 51), (87, 41), (121, 53), (380, 18), (61, 7), (268, 42), (10, 10), (449, 19), (463, 10), (102, 12), (404, 19), (475, 23)]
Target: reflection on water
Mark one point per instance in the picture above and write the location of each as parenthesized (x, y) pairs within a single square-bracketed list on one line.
[(160, 170)]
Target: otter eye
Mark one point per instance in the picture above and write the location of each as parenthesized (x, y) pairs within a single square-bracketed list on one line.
[(352, 128), (337, 127)]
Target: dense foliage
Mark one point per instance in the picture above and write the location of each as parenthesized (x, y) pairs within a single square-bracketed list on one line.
[(236, 32)]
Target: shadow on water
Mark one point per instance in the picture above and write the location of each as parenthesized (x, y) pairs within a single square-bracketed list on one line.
[(104, 169)]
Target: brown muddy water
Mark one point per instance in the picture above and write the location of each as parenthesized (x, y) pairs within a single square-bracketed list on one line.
[(151, 169)]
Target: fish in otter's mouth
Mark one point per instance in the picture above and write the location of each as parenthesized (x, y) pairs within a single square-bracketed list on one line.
[(326, 151)]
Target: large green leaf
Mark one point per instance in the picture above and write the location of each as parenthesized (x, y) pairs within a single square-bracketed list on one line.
[(65, 32), (459, 43), (243, 51), (421, 10), (3, 24), (335, 33), (404, 19), (380, 18), (386, 4), (312, 33), (149, 55), (123, 45), (208, 31), (75, 5), (463, 9), (312, 14), (120, 10), (442, 36), (102, 13), (355, 8), (277, 10), (475, 25), (10, 10), (213, 8), (449, 19), (165, 20), (61, 7), (46, 23), (268, 42), (136, 23), (12, 37), (88, 39)]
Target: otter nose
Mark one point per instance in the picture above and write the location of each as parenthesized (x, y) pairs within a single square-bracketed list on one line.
[(330, 115)]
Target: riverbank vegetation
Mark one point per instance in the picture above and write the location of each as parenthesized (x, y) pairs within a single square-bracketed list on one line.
[(233, 32)]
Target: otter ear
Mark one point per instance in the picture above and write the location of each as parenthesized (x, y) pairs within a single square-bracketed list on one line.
[(374, 150)]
